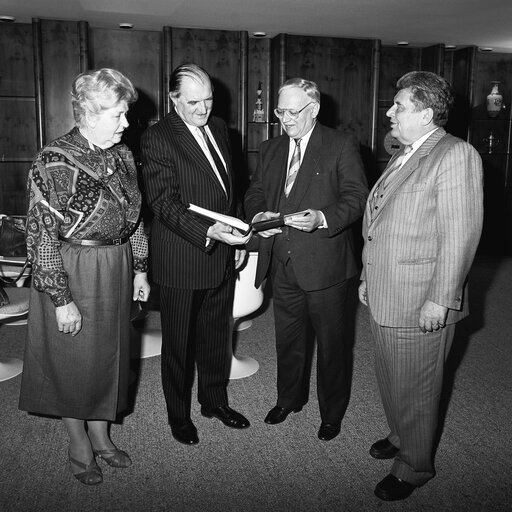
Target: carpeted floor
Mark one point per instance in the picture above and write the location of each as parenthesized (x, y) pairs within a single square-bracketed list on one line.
[(283, 467)]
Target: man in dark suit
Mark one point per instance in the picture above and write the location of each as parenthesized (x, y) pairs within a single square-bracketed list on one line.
[(421, 229), (316, 171), (186, 159)]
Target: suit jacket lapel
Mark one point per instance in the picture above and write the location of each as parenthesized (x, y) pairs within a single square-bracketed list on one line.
[(404, 172), (192, 147), (278, 171)]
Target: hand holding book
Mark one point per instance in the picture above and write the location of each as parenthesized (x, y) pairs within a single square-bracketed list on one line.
[(244, 227)]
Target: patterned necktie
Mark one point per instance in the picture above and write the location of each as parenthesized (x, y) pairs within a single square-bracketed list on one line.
[(395, 166), (293, 169), (216, 158)]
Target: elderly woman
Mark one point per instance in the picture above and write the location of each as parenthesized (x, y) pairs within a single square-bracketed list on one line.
[(89, 259)]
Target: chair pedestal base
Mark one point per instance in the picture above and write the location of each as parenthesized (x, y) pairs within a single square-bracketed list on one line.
[(150, 343), (243, 367), (242, 325), (146, 343), (10, 367)]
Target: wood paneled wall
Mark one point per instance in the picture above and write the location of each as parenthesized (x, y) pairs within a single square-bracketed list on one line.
[(60, 63), (356, 77), (343, 70), (136, 54), (18, 134), (395, 62)]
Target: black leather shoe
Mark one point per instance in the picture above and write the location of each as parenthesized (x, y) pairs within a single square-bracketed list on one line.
[(392, 488), (279, 414), (383, 449), (228, 416), (328, 431), (185, 433)]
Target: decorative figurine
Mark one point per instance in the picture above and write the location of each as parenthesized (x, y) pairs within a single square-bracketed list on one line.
[(259, 114)]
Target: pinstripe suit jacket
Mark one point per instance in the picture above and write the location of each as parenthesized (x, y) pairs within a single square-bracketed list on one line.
[(420, 243), (176, 172)]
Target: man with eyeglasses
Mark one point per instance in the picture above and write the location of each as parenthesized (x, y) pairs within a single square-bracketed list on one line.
[(315, 173)]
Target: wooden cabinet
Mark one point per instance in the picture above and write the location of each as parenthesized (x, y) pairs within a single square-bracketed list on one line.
[(136, 54), (343, 70), (18, 134), (259, 74), (37, 65), (497, 232), (60, 46), (394, 63), (222, 54), (459, 70), (356, 77), (217, 51)]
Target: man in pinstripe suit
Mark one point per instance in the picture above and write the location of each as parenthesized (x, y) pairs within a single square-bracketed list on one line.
[(421, 229), (186, 159)]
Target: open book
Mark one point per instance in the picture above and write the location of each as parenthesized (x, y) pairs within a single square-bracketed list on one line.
[(244, 227)]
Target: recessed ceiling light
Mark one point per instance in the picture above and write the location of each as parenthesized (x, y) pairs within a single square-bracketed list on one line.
[(402, 43), (486, 49), (126, 26), (449, 47), (259, 34), (7, 19)]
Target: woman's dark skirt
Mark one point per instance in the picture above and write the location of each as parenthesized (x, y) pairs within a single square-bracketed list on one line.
[(85, 376)]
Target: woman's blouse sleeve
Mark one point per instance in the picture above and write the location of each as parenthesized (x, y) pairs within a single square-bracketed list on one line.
[(139, 242), (43, 220)]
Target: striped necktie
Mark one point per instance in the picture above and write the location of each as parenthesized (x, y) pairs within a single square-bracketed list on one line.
[(293, 169), (216, 158)]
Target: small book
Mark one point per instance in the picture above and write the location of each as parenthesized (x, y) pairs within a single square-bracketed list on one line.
[(244, 227)]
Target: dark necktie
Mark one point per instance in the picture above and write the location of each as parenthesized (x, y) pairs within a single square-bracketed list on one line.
[(293, 169), (216, 158)]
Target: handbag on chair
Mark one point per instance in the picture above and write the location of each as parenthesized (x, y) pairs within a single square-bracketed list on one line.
[(12, 242)]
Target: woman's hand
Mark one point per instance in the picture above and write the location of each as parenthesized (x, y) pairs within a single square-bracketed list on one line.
[(69, 319), (141, 287)]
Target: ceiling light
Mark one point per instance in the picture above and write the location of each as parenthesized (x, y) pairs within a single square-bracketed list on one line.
[(126, 26), (7, 19), (259, 34), (402, 43), (449, 47), (486, 49)]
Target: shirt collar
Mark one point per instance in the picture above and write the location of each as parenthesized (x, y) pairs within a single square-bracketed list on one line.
[(417, 143), (304, 139)]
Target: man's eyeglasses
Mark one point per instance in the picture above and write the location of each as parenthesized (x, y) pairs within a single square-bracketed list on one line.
[(292, 114)]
